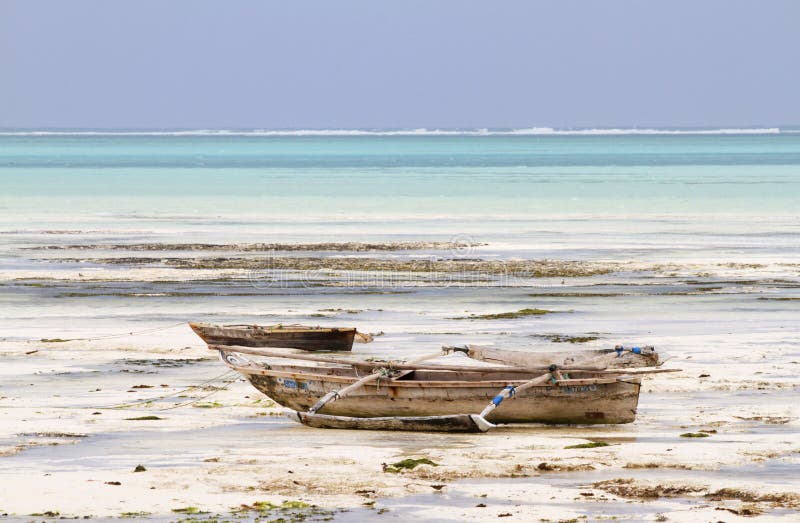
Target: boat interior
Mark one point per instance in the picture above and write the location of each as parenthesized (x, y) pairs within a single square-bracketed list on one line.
[(478, 375)]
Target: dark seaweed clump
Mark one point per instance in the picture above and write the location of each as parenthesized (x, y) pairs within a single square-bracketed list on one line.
[(408, 464), (563, 338), (590, 445), (506, 315)]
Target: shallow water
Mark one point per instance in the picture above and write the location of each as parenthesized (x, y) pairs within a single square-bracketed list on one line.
[(601, 196)]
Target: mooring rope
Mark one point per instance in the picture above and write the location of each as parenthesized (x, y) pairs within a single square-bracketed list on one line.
[(196, 400), (227, 378), (112, 336), (221, 377)]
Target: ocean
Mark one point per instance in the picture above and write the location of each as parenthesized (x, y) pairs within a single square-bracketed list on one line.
[(596, 196)]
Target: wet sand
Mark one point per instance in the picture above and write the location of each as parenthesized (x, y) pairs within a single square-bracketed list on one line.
[(219, 448)]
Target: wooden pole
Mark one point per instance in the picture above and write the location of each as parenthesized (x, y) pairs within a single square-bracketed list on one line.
[(335, 395), (510, 390)]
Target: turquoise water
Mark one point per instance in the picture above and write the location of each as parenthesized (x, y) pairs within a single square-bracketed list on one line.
[(516, 190)]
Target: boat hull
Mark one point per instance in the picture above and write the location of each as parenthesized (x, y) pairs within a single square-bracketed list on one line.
[(608, 400), (607, 403), (305, 338)]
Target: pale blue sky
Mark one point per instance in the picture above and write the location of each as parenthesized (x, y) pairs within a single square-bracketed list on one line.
[(398, 64)]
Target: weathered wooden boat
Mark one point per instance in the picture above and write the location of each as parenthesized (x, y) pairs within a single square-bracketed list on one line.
[(291, 336), (438, 397), (617, 358)]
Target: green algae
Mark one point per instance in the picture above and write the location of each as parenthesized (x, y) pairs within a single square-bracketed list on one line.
[(522, 313), (408, 464), (267, 506), (294, 505), (559, 338), (188, 510), (589, 445), (208, 405), (294, 511)]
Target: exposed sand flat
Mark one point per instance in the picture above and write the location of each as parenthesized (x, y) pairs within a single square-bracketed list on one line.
[(59, 435)]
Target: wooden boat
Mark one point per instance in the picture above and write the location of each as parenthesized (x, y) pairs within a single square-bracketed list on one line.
[(619, 358), (416, 397), (291, 336)]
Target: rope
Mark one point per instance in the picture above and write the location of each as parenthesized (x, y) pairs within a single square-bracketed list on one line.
[(231, 376), (220, 377), (186, 404), (227, 377), (112, 336)]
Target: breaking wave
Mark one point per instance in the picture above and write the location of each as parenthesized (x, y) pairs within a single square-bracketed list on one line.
[(531, 131)]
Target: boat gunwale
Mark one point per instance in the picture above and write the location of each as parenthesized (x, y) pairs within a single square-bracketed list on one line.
[(496, 384), (270, 330)]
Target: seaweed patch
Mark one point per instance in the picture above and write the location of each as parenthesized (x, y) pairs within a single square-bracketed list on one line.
[(522, 313)]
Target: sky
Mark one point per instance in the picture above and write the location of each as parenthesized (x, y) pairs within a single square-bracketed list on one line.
[(302, 64)]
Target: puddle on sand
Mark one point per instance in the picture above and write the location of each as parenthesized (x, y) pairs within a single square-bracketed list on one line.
[(462, 499), (521, 499), (125, 450)]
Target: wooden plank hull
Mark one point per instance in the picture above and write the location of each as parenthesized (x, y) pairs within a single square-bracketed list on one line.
[(608, 400), (602, 358), (306, 338), (587, 404)]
